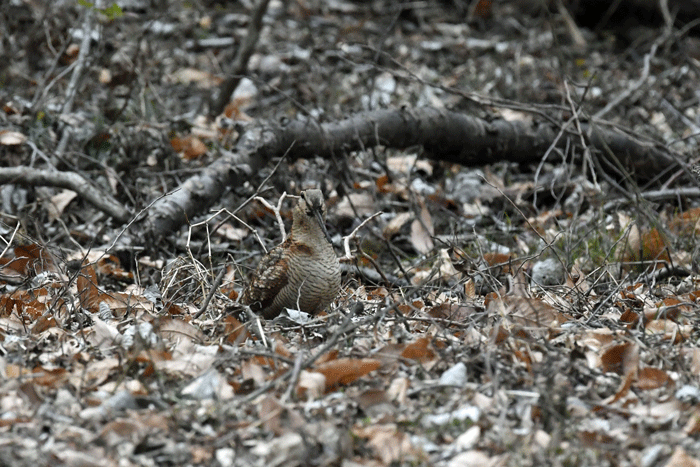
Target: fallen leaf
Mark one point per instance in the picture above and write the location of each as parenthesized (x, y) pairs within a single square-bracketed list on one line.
[(420, 350), (622, 359), (422, 231), (345, 370), (394, 226), (391, 445), (652, 378), (11, 138)]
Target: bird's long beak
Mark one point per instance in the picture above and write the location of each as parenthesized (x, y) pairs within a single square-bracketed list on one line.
[(319, 218)]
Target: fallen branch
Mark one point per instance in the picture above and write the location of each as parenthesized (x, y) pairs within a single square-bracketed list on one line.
[(445, 136), (69, 180)]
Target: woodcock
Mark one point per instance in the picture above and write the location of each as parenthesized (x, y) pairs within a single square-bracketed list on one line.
[(302, 272)]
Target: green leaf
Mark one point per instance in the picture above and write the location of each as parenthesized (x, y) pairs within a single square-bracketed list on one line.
[(113, 11)]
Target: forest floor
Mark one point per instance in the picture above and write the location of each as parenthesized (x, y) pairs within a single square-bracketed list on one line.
[(491, 315)]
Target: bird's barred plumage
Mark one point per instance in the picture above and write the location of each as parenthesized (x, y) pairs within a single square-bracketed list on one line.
[(302, 272)]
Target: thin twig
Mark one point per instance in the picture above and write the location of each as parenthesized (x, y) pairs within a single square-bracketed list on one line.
[(251, 198), (347, 326), (276, 210), (635, 86), (76, 78), (9, 242), (296, 370), (655, 195), (210, 295), (240, 63), (347, 238)]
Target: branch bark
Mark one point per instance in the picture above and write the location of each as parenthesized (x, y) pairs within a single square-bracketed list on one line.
[(69, 180), (445, 135)]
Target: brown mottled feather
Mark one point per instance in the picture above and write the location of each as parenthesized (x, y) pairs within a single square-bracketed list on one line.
[(267, 281), (302, 272)]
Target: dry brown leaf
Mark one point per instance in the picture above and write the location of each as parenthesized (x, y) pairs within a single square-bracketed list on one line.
[(203, 79), (653, 378), (390, 445), (622, 359), (28, 259), (680, 458), (280, 349), (669, 308), (422, 231), (595, 439), (43, 323), (382, 184), (58, 203), (644, 247), (362, 202), (25, 306), (420, 350), (534, 313), (372, 397), (253, 371), (189, 147), (670, 330), (235, 331), (623, 389), (501, 263), (470, 289), (694, 295), (88, 293), (277, 418), (175, 330), (11, 138), (311, 385), (394, 226), (345, 370), (404, 164), (692, 427), (110, 265), (49, 377), (328, 356), (235, 109), (686, 223), (451, 311)]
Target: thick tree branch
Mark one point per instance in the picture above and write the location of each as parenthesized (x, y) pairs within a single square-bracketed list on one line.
[(447, 136), (69, 180)]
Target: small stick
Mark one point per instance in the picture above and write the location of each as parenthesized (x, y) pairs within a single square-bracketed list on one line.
[(353, 234), (276, 210), (210, 295)]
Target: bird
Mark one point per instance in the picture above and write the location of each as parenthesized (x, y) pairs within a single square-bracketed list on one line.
[(302, 272)]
